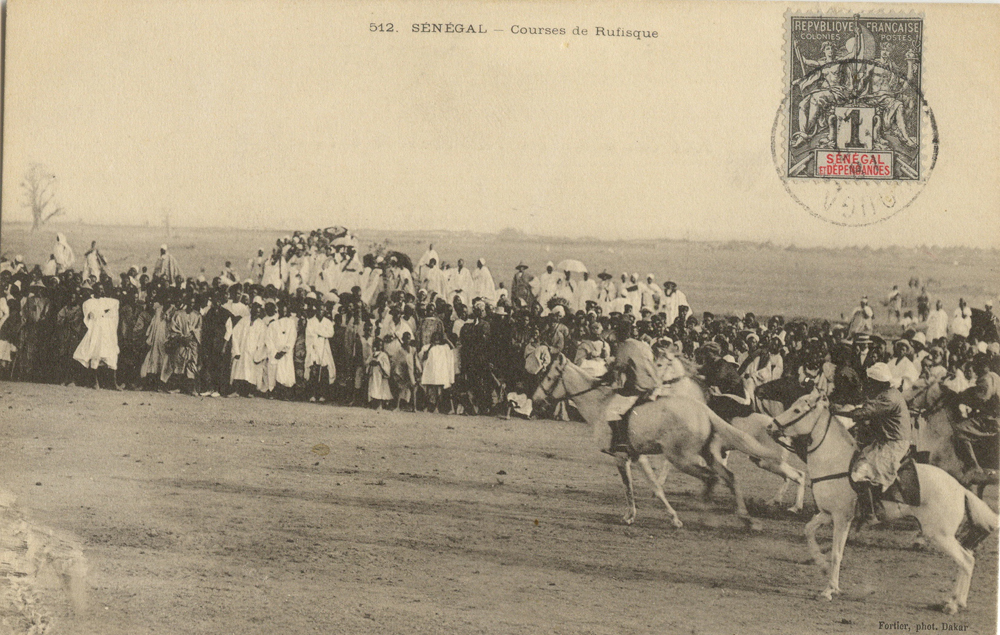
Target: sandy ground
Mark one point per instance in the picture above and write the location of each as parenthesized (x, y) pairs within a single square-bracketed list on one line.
[(228, 516)]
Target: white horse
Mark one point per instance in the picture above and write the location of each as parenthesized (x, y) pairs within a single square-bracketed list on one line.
[(680, 383), (685, 431), (944, 503)]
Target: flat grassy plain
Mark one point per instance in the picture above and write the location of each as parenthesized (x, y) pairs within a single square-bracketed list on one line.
[(720, 277)]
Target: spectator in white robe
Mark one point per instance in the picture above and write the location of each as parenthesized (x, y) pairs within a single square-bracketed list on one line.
[(862, 318), (63, 253), (94, 263), (50, 267), (937, 323), (652, 294), (281, 346), (265, 344), (634, 293), (673, 300), (166, 266), (586, 291), (961, 319), (438, 368), (371, 284), (566, 289), (482, 282), (425, 261), (99, 347), (606, 292), (433, 278), (227, 277), (461, 282), (547, 284), (904, 371), (256, 266), (379, 372), (319, 355)]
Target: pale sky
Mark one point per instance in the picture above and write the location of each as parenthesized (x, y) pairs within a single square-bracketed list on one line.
[(293, 115)]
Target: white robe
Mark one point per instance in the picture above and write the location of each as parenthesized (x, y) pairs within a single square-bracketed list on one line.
[(63, 253), (461, 284), (281, 334), (319, 331), (100, 344), (671, 305), (937, 325), (483, 285), (439, 369)]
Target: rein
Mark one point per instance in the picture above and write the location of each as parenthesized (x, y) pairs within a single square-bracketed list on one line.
[(548, 393), (804, 452)]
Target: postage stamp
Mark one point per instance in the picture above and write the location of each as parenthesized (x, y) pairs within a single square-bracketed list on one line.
[(854, 97), (854, 140)]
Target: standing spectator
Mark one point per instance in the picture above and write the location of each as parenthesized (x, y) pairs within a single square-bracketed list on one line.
[(379, 371), (961, 319), (937, 323), (861, 318), (166, 266), (99, 346)]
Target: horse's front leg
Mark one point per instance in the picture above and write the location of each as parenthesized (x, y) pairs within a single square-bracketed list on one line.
[(841, 527), (658, 488), (821, 518), (625, 470)]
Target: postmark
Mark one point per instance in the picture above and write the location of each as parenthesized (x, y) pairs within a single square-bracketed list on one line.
[(854, 140)]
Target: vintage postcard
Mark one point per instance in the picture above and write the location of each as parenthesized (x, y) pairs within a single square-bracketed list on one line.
[(499, 317)]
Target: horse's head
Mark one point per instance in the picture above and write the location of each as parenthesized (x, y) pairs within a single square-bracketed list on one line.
[(551, 387), (801, 418)]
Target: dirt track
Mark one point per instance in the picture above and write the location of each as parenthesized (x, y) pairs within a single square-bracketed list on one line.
[(217, 516)]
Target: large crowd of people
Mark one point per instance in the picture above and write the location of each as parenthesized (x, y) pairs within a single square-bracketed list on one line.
[(315, 319)]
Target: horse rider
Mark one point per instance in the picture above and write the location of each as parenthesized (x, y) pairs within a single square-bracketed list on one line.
[(983, 399), (727, 394), (884, 435), (633, 374)]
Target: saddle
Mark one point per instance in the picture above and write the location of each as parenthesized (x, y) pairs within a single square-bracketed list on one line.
[(906, 488)]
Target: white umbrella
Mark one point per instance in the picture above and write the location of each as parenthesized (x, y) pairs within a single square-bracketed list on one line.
[(574, 266)]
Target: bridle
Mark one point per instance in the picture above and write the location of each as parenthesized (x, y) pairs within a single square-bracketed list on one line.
[(555, 381), (802, 453)]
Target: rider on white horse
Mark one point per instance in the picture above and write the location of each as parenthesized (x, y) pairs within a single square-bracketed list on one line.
[(885, 433), (633, 374), (984, 401)]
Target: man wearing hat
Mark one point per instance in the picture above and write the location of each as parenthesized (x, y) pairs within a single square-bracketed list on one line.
[(520, 287), (673, 300), (884, 434), (634, 375)]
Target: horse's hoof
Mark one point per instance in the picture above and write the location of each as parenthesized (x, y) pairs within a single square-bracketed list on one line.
[(628, 520), (950, 607), (795, 510), (677, 523), (826, 595)]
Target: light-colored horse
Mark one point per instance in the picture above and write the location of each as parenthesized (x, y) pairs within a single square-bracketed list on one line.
[(944, 503), (938, 415), (756, 425), (685, 431)]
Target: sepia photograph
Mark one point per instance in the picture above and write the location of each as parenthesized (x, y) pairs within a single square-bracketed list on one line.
[(505, 318)]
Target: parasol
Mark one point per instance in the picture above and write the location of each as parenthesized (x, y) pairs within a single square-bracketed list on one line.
[(574, 266)]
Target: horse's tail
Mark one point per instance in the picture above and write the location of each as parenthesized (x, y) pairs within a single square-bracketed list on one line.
[(980, 514), (733, 438)]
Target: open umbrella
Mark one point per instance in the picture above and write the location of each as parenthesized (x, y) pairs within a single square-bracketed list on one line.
[(574, 266)]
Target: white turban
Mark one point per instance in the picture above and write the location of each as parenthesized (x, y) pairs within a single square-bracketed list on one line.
[(880, 372)]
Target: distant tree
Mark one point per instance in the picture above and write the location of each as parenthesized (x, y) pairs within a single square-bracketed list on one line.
[(39, 186)]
